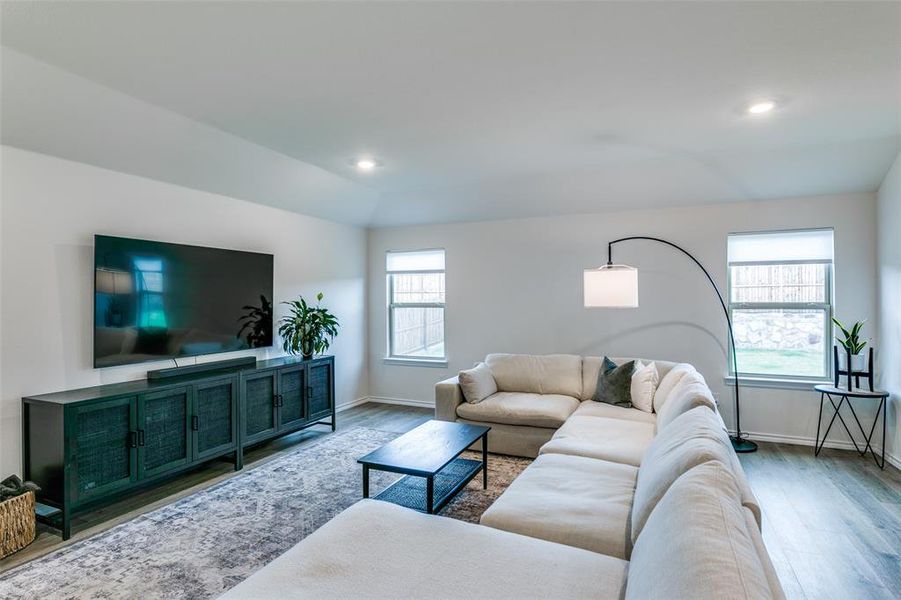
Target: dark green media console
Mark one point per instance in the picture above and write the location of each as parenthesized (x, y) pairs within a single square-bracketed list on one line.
[(94, 445)]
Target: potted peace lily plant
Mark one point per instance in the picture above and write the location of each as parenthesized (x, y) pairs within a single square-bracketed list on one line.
[(307, 329), (853, 345)]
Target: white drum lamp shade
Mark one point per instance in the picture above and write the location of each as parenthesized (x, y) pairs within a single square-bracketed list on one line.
[(110, 281), (610, 286)]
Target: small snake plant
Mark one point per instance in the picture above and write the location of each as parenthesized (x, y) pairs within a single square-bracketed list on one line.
[(851, 342)]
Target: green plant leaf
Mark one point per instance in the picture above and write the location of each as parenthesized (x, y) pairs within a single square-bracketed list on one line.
[(842, 327)]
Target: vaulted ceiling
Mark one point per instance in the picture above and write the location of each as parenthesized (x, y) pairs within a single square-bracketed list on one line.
[(475, 110)]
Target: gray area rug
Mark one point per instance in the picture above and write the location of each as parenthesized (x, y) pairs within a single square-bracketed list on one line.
[(202, 545)]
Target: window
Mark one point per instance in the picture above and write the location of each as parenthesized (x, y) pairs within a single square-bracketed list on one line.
[(416, 305), (149, 278), (780, 301)]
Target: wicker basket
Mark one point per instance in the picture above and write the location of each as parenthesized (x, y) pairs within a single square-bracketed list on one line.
[(16, 523)]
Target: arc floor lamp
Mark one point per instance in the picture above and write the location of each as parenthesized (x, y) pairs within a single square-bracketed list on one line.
[(616, 286)]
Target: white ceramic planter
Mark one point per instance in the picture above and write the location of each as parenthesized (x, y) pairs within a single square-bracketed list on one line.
[(858, 361)]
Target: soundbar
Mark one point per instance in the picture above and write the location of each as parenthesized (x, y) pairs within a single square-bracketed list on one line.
[(219, 365)]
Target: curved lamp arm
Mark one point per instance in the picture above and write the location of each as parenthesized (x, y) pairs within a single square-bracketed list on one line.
[(738, 442)]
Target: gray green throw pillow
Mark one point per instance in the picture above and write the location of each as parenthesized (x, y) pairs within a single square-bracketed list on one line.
[(615, 383)]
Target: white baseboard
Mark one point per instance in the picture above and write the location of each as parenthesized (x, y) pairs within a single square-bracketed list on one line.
[(352, 403), (401, 401), (808, 441), (384, 400)]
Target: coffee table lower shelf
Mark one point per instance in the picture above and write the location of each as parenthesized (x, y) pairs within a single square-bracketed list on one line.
[(410, 490)]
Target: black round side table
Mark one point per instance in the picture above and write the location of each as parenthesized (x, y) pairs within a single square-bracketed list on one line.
[(844, 397)]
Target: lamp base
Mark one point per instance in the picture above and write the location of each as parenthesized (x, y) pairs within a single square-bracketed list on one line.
[(742, 445)]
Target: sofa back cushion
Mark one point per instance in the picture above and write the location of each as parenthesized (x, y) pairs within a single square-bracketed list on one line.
[(591, 365), (697, 544), (688, 395), (694, 438), (477, 383), (544, 374), (668, 383)]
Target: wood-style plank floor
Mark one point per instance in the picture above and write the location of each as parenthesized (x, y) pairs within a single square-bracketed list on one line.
[(832, 524)]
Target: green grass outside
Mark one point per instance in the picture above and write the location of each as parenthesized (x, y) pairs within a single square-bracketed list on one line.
[(771, 361)]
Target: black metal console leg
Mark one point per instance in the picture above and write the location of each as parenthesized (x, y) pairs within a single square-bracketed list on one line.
[(846, 400), (430, 494), (334, 421), (881, 408), (829, 428)]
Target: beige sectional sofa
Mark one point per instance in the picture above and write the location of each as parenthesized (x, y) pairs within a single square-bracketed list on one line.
[(544, 397), (617, 504)]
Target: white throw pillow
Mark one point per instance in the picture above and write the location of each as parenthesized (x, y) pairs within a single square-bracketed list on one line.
[(644, 385), (477, 383)]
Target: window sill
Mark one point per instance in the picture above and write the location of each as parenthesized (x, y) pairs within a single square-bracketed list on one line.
[(775, 382), (440, 363)]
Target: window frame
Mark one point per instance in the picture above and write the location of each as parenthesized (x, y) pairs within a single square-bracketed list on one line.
[(391, 356), (827, 307)]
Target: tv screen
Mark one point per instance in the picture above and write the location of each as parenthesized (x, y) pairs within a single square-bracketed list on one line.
[(156, 301)]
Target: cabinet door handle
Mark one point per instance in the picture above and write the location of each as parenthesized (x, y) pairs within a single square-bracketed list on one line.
[(195, 423), (309, 391), (132, 439), (274, 399), (140, 437)]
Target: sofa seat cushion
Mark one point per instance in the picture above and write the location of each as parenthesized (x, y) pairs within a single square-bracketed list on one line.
[(591, 408), (616, 440), (544, 374), (694, 438), (378, 550), (518, 408), (697, 544), (572, 500)]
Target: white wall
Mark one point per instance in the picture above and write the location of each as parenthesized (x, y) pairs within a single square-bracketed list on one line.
[(889, 264), (515, 286), (50, 210)]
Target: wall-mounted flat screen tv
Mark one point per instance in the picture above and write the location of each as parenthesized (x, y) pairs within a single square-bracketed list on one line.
[(157, 301)]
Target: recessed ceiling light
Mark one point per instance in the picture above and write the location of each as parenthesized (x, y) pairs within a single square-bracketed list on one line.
[(759, 108), (365, 164)]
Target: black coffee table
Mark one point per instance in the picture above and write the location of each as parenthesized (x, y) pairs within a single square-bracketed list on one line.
[(429, 456)]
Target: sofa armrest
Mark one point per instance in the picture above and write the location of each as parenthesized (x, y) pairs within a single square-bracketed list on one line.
[(448, 396)]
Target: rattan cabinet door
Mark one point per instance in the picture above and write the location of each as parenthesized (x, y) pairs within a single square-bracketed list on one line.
[(321, 389), (102, 438), (214, 421), (291, 391), (164, 431), (260, 399)]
